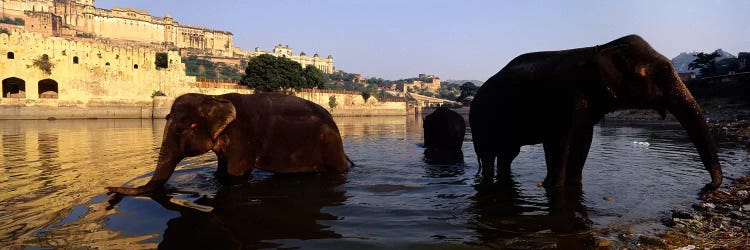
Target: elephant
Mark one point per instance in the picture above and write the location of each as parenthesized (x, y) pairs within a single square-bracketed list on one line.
[(444, 131), (268, 131), (556, 97)]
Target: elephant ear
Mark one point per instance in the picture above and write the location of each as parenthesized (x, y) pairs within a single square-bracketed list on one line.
[(612, 64), (218, 113)]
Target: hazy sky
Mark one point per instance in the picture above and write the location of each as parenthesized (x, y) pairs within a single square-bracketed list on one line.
[(466, 40)]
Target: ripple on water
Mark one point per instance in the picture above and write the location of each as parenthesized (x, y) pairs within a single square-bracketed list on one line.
[(54, 174)]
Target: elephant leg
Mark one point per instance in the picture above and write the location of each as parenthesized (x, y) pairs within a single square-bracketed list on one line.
[(239, 168), (579, 151), (504, 159), (221, 169), (556, 153), (487, 166)]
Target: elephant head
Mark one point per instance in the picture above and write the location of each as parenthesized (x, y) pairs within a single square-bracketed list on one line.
[(634, 75), (193, 127)]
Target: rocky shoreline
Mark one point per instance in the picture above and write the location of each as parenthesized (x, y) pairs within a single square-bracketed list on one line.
[(721, 220)]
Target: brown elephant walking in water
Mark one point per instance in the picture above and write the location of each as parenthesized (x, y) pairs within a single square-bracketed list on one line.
[(269, 131), (556, 97)]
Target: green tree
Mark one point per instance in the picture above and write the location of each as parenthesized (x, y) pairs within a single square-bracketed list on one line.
[(705, 63), (314, 77), (467, 89), (267, 73), (43, 63), (332, 102)]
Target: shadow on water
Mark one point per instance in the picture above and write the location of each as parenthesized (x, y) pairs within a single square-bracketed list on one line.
[(399, 195), (250, 215), (505, 218), (443, 157)]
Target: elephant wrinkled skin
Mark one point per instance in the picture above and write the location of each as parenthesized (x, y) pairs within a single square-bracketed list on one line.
[(269, 131), (556, 97)]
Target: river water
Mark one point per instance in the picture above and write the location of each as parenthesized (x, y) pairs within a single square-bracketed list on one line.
[(54, 173)]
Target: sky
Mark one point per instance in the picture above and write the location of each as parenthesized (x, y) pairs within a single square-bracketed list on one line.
[(457, 40)]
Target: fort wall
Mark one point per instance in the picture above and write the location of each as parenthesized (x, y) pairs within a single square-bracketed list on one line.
[(81, 20)]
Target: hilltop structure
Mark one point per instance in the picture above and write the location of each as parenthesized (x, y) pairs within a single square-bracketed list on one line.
[(324, 64), (132, 27), (425, 81), (66, 59)]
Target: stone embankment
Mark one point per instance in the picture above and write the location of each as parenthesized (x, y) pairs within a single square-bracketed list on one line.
[(722, 219)]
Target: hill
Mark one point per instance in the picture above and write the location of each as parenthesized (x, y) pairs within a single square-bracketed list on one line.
[(682, 60)]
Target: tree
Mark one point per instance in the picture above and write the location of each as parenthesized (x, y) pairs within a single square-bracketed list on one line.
[(467, 89), (267, 73), (332, 102), (44, 64), (314, 77), (705, 62)]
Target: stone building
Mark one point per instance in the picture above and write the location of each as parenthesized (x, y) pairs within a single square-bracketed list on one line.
[(429, 82), (324, 64), (79, 18), (82, 72)]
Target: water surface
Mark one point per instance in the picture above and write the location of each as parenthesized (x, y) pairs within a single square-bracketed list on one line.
[(54, 173)]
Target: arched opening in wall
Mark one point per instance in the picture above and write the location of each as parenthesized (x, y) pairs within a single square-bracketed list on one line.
[(135, 66), (75, 60), (11, 55), (161, 61), (106, 64), (14, 87), (48, 89)]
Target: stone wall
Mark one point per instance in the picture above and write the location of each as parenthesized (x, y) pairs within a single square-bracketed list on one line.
[(86, 79), (94, 80), (349, 103)]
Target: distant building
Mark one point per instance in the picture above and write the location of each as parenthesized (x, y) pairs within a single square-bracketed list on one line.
[(324, 64), (686, 76), (128, 27), (429, 82), (358, 78)]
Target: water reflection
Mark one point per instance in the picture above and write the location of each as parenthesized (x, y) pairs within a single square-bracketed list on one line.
[(446, 157), (248, 216), (503, 214), (54, 172), (51, 166)]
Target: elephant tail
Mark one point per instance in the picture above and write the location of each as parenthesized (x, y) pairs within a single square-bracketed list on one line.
[(350, 161)]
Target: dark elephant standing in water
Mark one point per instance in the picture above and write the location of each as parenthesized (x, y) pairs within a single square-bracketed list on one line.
[(444, 131), (269, 131), (556, 97)]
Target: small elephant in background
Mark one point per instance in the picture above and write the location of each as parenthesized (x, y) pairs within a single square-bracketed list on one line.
[(444, 131), (269, 131), (556, 97)]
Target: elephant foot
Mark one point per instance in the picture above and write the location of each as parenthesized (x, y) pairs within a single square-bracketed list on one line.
[(708, 188), (553, 184)]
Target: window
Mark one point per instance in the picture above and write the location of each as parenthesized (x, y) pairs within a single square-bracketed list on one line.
[(11, 55), (106, 64), (75, 60), (135, 66)]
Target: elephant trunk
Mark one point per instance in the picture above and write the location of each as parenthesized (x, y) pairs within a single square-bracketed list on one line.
[(685, 108), (168, 160)]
